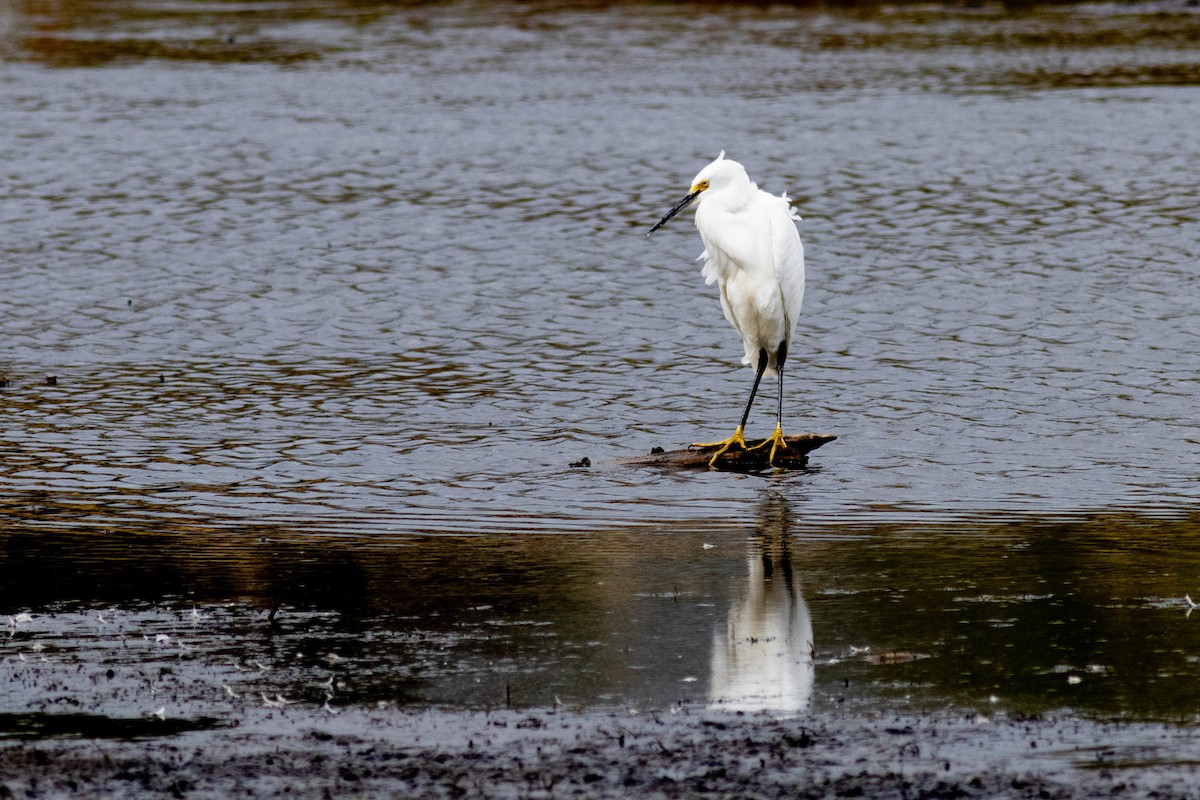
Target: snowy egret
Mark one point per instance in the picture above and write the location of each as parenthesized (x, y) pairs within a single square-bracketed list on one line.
[(752, 251)]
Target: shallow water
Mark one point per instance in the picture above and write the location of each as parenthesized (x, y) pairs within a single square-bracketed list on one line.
[(332, 295), (1018, 618)]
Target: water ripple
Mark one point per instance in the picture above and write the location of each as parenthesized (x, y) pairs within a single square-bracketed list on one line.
[(405, 284)]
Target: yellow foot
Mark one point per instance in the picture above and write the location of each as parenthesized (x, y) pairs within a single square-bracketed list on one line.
[(738, 438), (776, 441)]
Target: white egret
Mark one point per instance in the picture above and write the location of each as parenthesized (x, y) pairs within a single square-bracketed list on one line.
[(752, 251)]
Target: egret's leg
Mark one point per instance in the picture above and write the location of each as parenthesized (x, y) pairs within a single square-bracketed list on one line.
[(739, 437), (777, 441)]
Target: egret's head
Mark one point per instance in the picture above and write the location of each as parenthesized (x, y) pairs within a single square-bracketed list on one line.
[(718, 175)]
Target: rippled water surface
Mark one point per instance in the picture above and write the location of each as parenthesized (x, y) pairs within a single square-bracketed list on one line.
[(337, 292)]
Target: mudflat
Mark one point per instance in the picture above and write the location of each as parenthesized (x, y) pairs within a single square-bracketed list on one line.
[(687, 752)]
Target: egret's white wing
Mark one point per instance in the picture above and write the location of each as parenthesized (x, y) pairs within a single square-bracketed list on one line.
[(788, 253), (738, 258)]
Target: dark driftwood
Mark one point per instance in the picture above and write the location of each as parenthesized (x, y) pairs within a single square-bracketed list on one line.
[(735, 458)]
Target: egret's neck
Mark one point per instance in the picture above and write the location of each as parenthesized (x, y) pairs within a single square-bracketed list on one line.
[(730, 199)]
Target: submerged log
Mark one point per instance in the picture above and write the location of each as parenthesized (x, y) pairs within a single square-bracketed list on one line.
[(735, 458)]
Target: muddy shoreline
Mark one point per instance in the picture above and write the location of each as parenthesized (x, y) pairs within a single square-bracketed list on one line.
[(303, 752)]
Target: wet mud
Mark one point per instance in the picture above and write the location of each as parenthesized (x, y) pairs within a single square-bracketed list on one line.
[(550, 754)]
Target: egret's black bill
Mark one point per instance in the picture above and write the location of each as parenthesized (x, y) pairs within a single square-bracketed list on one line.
[(680, 206)]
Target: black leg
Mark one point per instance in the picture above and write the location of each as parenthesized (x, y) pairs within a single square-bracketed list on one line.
[(738, 437), (762, 367), (780, 358), (779, 418)]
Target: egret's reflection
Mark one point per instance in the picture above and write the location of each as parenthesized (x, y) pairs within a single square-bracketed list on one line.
[(763, 659)]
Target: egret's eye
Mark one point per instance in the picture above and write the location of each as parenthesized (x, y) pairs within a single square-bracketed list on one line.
[(702, 185)]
